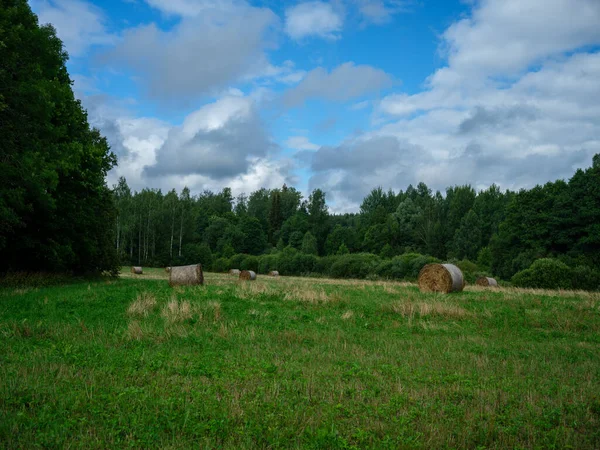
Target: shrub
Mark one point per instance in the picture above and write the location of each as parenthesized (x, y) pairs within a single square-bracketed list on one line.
[(357, 265), (323, 264), (304, 263), (545, 273), (469, 270), (266, 263), (221, 265), (286, 261), (586, 278), (250, 262), (197, 253), (236, 261)]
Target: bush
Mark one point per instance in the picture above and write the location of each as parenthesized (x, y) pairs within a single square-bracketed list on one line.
[(304, 263), (586, 278), (323, 264), (545, 273), (286, 261), (221, 265), (266, 263), (250, 262), (197, 253), (236, 261), (469, 269), (357, 265)]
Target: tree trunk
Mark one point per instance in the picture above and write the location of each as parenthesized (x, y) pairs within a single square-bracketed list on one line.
[(181, 231), (172, 232)]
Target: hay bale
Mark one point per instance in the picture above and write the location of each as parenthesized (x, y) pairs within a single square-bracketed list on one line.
[(444, 278), (247, 275), (136, 270), (186, 275), (273, 273), (486, 281), (234, 272)]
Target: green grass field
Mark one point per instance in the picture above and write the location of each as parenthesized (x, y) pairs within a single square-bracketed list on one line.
[(296, 363)]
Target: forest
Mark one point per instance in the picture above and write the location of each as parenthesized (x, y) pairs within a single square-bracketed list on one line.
[(492, 231), (57, 213)]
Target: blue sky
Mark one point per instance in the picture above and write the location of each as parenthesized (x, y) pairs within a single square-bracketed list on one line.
[(343, 95)]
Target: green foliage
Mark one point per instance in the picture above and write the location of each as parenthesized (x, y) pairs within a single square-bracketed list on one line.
[(267, 263), (250, 262), (586, 278), (342, 250), (55, 208), (387, 251), (221, 265), (484, 258), (309, 244), (545, 273), (236, 260), (357, 265)]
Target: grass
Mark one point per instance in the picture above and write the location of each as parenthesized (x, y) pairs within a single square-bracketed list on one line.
[(296, 363)]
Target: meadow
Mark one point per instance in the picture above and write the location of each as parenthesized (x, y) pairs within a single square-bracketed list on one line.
[(296, 363)]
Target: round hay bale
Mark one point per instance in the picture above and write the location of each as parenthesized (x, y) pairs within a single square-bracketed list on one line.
[(273, 273), (186, 275), (136, 270), (444, 278), (486, 281), (167, 269), (247, 275), (234, 272)]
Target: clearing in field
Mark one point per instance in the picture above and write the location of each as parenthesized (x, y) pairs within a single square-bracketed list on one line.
[(300, 363)]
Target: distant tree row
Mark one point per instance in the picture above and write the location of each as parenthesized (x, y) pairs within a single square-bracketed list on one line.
[(503, 232)]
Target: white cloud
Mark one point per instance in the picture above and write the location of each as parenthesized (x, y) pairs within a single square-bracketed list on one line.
[(300, 143), (380, 11), (516, 105), (506, 37), (343, 83), (216, 141), (200, 55), (192, 8), (313, 19), (78, 24)]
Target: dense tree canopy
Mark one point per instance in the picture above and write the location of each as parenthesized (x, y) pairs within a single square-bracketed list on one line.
[(55, 208), (503, 232)]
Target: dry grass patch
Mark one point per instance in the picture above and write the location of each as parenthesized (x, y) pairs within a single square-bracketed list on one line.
[(142, 305), (248, 290), (410, 309), (176, 311), (310, 295), (135, 331), (348, 315)]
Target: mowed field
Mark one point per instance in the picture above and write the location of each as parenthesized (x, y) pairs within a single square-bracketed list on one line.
[(296, 363)]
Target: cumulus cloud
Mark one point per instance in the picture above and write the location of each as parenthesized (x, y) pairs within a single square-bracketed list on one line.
[(317, 19), (300, 143), (342, 83), (380, 11), (199, 55), (516, 105), (78, 35), (192, 8), (215, 141)]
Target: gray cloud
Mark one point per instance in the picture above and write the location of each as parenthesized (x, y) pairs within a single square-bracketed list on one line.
[(216, 141), (342, 83), (350, 170), (497, 117), (199, 55)]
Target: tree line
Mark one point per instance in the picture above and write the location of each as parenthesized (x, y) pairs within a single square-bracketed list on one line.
[(502, 232)]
